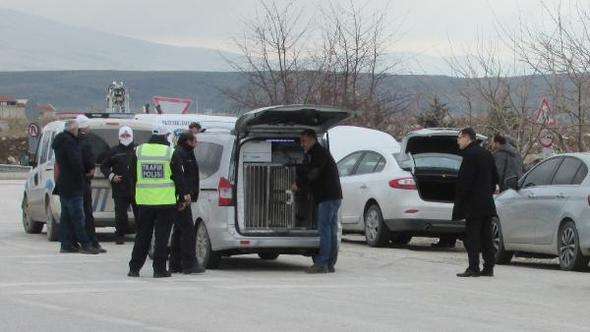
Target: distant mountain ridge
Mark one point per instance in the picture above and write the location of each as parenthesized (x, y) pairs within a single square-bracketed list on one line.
[(29, 42)]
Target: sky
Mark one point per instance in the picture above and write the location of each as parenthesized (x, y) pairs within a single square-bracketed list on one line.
[(425, 26)]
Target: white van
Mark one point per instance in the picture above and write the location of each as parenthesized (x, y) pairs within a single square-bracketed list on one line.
[(40, 206), (246, 204)]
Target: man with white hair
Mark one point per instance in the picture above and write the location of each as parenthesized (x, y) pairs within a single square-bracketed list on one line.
[(69, 185), (116, 168), (158, 183)]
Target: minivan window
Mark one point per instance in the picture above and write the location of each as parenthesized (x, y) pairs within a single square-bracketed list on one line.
[(346, 164), (567, 170), (44, 148), (368, 163), (209, 158), (542, 174), (580, 174)]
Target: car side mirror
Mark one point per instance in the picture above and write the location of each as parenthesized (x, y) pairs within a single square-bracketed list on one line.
[(512, 183)]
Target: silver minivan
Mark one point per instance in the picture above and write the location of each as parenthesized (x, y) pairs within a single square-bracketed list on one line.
[(246, 204), (39, 205)]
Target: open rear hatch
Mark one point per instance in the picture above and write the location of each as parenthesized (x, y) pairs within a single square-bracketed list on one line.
[(434, 162), (269, 158)]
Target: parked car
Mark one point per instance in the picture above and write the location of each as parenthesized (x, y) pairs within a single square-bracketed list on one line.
[(40, 207), (391, 198), (547, 214), (246, 204)]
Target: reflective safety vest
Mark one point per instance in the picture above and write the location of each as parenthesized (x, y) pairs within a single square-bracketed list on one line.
[(154, 185)]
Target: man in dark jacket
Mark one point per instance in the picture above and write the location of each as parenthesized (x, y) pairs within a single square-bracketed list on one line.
[(182, 248), (89, 161), (70, 184), (508, 160), (157, 188), (117, 168), (474, 202), (320, 175)]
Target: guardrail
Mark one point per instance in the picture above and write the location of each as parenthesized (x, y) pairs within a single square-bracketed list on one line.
[(7, 168)]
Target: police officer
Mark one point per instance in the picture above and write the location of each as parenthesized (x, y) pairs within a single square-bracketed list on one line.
[(158, 179), (182, 248), (116, 167)]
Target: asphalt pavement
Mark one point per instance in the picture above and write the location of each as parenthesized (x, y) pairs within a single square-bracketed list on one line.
[(374, 289)]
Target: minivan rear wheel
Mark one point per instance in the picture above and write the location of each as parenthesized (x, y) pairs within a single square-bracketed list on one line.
[(206, 257), (568, 246), (376, 232), (502, 256), (30, 226)]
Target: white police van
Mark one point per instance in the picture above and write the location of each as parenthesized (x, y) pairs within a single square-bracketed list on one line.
[(40, 207)]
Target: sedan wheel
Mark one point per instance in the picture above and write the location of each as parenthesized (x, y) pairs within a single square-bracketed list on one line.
[(206, 257), (502, 256), (376, 231), (570, 255)]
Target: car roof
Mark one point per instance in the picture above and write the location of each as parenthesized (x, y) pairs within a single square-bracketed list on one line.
[(438, 132), (103, 123), (585, 156)]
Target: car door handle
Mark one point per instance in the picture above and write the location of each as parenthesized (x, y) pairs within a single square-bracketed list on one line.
[(531, 195), (560, 196), (364, 186)]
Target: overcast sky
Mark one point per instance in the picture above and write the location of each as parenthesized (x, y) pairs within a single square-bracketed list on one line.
[(427, 24)]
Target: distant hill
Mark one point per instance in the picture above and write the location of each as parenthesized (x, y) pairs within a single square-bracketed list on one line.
[(29, 42)]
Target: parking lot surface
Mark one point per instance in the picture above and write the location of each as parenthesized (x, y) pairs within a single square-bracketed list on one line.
[(375, 289)]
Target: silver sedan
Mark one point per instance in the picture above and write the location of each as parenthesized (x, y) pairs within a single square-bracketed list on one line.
[(547, 213)]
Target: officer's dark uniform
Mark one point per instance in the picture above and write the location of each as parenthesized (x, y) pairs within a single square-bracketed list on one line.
[(118, 162), (182, 248), (158, 218), (89, 161)]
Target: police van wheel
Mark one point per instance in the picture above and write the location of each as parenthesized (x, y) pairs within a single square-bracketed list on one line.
[(52, 225), (30, 226), (206, 257)]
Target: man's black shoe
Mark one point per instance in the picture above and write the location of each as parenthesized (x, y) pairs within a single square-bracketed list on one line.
[(331, 269), (468, 273), (316, 269), (100, 249), (487, 273), (194, 270), (68, 250), (133, 274), (163, 274), (120, 240), (89, 251), (176, 270)]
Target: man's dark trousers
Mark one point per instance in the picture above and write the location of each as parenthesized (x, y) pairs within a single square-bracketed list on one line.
[(150, 219), (72, 219), (327, 217), (478, 238), (121, 219), (182, 248), (89, 218)]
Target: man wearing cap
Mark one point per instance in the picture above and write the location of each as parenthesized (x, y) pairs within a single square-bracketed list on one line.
[(116, 168), (89, 161), (195, 128), (158, 181)]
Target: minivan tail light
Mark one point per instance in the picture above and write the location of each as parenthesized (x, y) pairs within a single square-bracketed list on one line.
[(225, 191), (403, 183)]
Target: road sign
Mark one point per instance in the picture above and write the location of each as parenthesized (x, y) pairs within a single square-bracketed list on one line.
[(33, 130), (170, 105), (544, 115)]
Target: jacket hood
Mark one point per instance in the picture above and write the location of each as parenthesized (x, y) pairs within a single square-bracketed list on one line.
[(61, 138), (509, 149)]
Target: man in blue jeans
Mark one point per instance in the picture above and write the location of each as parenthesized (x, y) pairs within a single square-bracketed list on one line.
[(69, 185), (319, 174)]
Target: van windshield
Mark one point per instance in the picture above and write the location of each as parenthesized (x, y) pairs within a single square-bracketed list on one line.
[(101, 140)]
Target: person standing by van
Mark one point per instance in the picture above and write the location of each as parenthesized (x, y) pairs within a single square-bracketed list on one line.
[(157, 178), (69, 185), (320, 175), (89, 161), (508, 160), (474, 202), (182, 248), (116, 167)]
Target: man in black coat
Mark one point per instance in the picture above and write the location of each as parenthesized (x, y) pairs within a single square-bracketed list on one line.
[(474, 202), (182, 248), (320, 175), (117, 168), (70, 182)]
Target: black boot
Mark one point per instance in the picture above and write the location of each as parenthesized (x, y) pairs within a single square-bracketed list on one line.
[(487, 272), (468, 273), (163, 274)]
